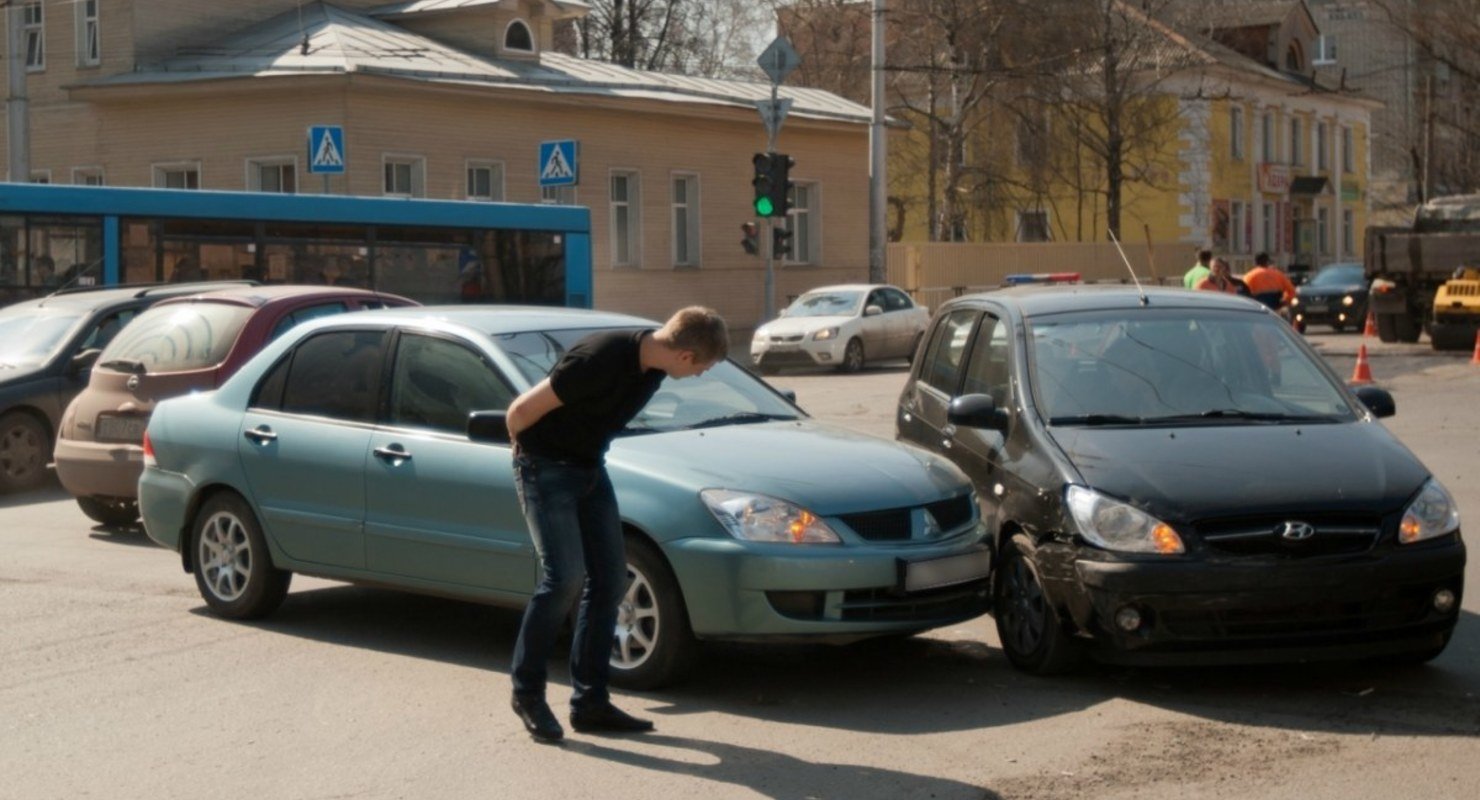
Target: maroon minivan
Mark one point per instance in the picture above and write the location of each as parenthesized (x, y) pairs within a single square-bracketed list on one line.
[(178, 346)]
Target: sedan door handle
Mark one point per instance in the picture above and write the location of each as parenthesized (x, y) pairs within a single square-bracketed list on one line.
[(260, 434), (393, 453)]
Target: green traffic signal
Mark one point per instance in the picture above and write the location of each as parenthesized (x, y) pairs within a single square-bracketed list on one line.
[(764, 206)]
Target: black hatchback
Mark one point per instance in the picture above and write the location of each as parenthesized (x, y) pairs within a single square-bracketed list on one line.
[(1176, 477)]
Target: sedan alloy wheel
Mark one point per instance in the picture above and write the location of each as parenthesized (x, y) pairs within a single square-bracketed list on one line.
[(233, 570)]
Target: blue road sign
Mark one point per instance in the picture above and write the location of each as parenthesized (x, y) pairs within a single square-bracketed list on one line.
[(326, 150), (559, 163)]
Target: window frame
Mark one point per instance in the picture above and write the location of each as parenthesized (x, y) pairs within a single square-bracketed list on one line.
[(566, 195), (1348, 232), (82, 172), (1323, 231), (805, 218), (1348, 149), (1236, 132), (1297, 144), (1326, 52), (932, 350), (496, 179), (417, 165), (1267, 138), (633, 226), (254, 166), (378, 392), (693, 242), (533, 43), (386, 417), (84, 23), (160, 171), (1323, 146), (1022, 214), (34, 31)]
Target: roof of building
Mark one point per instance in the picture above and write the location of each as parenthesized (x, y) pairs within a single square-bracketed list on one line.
[(1246, 13), (328, 40), (415, 8)]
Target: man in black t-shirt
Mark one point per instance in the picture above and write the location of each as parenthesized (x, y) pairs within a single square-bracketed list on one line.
[(561, 429)]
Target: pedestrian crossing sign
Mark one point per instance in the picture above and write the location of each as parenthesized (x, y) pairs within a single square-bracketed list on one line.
[(559, 165), (326, 149)]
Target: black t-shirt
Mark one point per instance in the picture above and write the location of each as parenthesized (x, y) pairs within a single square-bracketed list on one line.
[(601, 385)]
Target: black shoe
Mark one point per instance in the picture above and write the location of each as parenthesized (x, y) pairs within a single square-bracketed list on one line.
[(538, 719), (607, 718)]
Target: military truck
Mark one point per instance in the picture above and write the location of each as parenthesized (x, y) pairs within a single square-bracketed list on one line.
[(1408, 266)]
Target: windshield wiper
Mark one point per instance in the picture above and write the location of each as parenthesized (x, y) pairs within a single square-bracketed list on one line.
[(739, 418), (1097, 419), (1235, 413), (125, 365)]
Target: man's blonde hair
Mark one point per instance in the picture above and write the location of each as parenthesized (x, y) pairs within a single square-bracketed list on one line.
[(700, 331)]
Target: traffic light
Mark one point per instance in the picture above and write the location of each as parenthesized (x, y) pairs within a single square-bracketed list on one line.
[(772, 184), (752, 240), (780, 242)]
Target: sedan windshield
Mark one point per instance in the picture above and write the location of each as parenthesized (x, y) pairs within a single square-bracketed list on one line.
[(1177, 367), (825, 304), (1338, 275), (725, 395), (29, 334)]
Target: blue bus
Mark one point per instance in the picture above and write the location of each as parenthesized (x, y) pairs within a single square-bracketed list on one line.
[(434, 251)]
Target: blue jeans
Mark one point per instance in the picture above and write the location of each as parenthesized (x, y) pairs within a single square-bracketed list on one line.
[(572, 516)]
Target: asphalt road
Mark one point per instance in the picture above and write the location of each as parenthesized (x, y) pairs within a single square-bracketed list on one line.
[(115, 682)]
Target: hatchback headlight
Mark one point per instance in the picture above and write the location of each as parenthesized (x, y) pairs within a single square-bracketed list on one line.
[(1348, 301), (1114, 525), (758, 518), (1431, 514), (825, 334)]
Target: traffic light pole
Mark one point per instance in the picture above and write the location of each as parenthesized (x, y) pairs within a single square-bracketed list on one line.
[(769, 305)]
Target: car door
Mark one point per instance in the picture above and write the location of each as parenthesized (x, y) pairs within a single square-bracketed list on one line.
[(304, 440), (904, 323), (441, 508), (980, 452), (928, 398), (874, 330)]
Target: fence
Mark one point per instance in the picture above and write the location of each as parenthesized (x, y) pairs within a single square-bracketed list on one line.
[(936, 271)]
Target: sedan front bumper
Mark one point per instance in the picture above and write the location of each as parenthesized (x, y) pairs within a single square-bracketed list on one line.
[(796, 351), (1204, 612)]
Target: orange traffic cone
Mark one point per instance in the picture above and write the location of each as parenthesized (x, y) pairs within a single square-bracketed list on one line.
[(1363, 372), (1370, 331), (1475, 359)]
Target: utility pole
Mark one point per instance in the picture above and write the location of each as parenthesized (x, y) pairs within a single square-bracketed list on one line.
[(17, 106), (1426, 180), (878, 178)]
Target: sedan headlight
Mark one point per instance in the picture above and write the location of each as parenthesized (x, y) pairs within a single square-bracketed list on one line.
[(1296, 301), (1114, 525), (1348, 301), (1432, 514), (825, 334), (758, 518)]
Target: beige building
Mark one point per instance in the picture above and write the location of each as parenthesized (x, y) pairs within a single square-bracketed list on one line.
[(448, 99)]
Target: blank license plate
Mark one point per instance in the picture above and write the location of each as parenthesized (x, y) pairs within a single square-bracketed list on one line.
[(936, 573), (122, 429), (1317, 309)]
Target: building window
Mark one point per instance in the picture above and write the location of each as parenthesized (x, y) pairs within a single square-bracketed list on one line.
[(1323, 231), (558, 195), (405, 176), (40, 176), (88, 46), (33, 27), (802, 221), (626, 232), (1266, 225), (685, 220), (486, 181), (177, 176), (1323, 146), (1325, 49), (1236, 132), (1348, 158), (1297, 149), (517, 37), (1237, 221), (88, 176), (1032, 226), (1266, 138), (1348, 233), (1295, 58), (272, 175), (1032, 138)]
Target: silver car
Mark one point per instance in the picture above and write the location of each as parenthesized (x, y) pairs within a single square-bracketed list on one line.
[(842, 326)]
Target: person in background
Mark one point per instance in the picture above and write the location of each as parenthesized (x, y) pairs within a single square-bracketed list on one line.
[(1199, 270), (1220, 279), (1268, 284)]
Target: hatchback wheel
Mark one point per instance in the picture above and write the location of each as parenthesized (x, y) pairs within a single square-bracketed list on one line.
[(653, 646), (112, 511), (852, 356), (233, 569), (1031, 634), (24, 447)]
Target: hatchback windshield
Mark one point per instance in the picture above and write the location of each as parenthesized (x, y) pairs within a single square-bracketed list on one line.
[(824, 304), (724, 395), (173, 338), (1338, 275), (29, 334), (1176, 366)]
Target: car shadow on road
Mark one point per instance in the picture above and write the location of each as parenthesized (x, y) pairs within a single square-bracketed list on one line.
[(48, 492), (130, 535), (925, 685)]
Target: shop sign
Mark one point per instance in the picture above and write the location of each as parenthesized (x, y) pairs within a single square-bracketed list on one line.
[(1274, 178)]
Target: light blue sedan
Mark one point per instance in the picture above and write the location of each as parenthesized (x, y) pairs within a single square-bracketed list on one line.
[(343, 451)]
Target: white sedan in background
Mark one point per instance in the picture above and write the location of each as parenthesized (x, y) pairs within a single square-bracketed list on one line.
[(841, 326)]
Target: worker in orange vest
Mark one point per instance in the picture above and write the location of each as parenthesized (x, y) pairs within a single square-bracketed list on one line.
[(1269, 284)]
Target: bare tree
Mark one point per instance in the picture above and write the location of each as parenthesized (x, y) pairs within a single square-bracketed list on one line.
[(710, 38)]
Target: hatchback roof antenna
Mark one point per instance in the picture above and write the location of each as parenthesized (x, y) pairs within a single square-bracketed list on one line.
[(1145, 301)]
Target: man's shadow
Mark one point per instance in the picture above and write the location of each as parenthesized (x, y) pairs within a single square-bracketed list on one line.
[(773, 773)]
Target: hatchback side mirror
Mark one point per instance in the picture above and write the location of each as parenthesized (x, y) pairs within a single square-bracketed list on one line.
[(84, 361), (873, 311), (977, 411), (789, 394), (488, 427), (1379, 401)]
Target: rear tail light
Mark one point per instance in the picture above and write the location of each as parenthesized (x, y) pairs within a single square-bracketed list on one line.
[(149, 452)]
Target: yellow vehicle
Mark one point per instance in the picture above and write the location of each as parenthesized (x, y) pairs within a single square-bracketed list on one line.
[(1457, 311)]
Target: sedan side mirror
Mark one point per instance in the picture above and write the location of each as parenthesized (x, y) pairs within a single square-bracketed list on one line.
[(977, 411), (873, 311), (84, 361), (488, 427), (790, 395), (1379, 401)]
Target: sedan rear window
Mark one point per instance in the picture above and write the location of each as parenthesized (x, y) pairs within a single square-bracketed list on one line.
[(174, 338)]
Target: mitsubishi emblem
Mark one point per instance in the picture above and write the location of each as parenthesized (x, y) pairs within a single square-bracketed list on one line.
[(1295, 531), (133, 382)]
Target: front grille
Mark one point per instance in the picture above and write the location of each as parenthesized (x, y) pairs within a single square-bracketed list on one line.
[(892, 525), (886, 605), (787, 339), (1262, 536), (1333, 618), (951, 514)]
